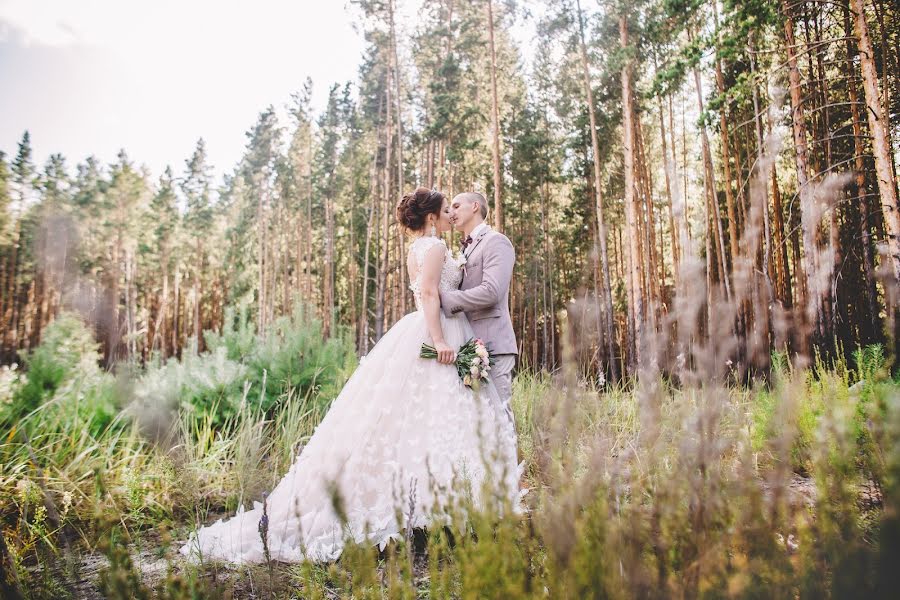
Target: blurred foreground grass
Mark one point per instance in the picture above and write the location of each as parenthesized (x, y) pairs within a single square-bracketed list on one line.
[(786, 489)]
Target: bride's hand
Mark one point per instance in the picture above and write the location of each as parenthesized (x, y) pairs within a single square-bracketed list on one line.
[(445, 354)]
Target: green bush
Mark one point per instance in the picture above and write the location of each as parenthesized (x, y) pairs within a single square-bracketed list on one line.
[(66, 350), (204, 385), (291, 356)]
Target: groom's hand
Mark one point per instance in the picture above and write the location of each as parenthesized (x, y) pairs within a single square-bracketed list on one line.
[(445, 354)]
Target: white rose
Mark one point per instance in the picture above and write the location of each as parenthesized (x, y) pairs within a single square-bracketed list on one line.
[(476, 361), (476, 373)]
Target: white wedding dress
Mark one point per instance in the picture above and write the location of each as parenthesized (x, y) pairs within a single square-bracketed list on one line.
[(402, 428)]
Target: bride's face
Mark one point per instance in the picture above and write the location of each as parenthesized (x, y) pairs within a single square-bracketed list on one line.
[(442, 219)]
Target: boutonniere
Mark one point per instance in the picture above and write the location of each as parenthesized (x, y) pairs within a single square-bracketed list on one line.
[(461, 261)]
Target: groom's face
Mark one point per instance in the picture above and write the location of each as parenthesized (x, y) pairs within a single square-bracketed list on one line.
[(462, 211)]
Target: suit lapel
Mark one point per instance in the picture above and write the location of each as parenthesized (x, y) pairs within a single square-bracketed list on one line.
[(477, 241)]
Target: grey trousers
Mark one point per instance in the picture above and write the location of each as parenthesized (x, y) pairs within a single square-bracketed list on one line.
[(501, 374)]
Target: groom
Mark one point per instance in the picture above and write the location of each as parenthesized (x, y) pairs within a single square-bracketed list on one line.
[(484, 292)]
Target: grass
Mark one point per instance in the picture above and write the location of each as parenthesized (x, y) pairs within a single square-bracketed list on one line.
[(788, 488)]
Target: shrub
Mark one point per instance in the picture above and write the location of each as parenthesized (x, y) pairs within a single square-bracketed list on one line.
[(291, 355), (67, 349)]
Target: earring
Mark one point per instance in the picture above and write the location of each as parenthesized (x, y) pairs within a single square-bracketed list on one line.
[(433, 230)]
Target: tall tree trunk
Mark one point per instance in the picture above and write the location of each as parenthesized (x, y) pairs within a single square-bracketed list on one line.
[(674, 233), (115, 331), (198, 293), (370, 227), (176, 320), (384, 246), (653, 276), (631, 212), (860, 176), (328, 287), (12, 292), (888, 67), (308, 252), (726, 149), (798, 120), (400, 179), (598, 198), (261, 261), (821, 160), (159, 330), (760, 160), (878, 129), (495, 123), (711, 194)]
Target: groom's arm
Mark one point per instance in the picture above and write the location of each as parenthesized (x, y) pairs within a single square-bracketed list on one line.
[(497, 267)]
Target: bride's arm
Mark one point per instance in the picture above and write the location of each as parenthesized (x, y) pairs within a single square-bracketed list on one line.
[(431, 301)]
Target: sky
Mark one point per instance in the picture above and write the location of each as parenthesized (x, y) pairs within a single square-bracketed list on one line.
[(89, 77)]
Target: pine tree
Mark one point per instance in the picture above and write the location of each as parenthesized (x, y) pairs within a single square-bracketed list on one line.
[(195, 186), (258, 170)]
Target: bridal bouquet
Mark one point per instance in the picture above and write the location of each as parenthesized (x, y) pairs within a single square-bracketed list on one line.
[(473, 361)]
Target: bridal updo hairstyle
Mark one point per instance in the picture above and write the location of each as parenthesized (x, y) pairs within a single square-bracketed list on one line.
[(414, 208)]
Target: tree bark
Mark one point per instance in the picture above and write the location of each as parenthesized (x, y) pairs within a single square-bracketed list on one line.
[(711, 194), (400, 179), (384, 246), (878, 129), (798, 120), (674, 233), (726, 150), (495, 124), (860, 175), (598, 198), (631, 213)]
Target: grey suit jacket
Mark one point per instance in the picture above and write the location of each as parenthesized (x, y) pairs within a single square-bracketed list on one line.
[(484, 292)]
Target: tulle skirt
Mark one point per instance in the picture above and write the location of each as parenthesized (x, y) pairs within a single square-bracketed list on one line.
[(404, 436)]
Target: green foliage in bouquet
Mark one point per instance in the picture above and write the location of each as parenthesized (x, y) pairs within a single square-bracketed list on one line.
[(473, 361)]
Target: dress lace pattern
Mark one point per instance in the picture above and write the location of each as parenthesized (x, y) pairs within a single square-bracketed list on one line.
[(451, 272), (403, 432)]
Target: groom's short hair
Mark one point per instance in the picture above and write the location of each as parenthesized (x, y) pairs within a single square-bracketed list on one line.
[(480, 199)]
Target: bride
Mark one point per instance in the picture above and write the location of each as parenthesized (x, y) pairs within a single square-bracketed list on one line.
[(403, 428)]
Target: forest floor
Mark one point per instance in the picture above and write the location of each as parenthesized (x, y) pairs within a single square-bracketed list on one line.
[(148, 556)]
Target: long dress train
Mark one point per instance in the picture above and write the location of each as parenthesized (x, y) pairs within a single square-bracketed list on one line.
[(402, 428)]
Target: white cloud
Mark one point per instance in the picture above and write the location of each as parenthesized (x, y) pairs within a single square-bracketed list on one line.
[(153, 76)]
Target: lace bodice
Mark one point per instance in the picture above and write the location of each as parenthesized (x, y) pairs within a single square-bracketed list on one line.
[(451, 272)]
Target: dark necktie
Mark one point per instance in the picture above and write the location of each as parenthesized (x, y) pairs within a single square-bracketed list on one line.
[(466, 242)]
